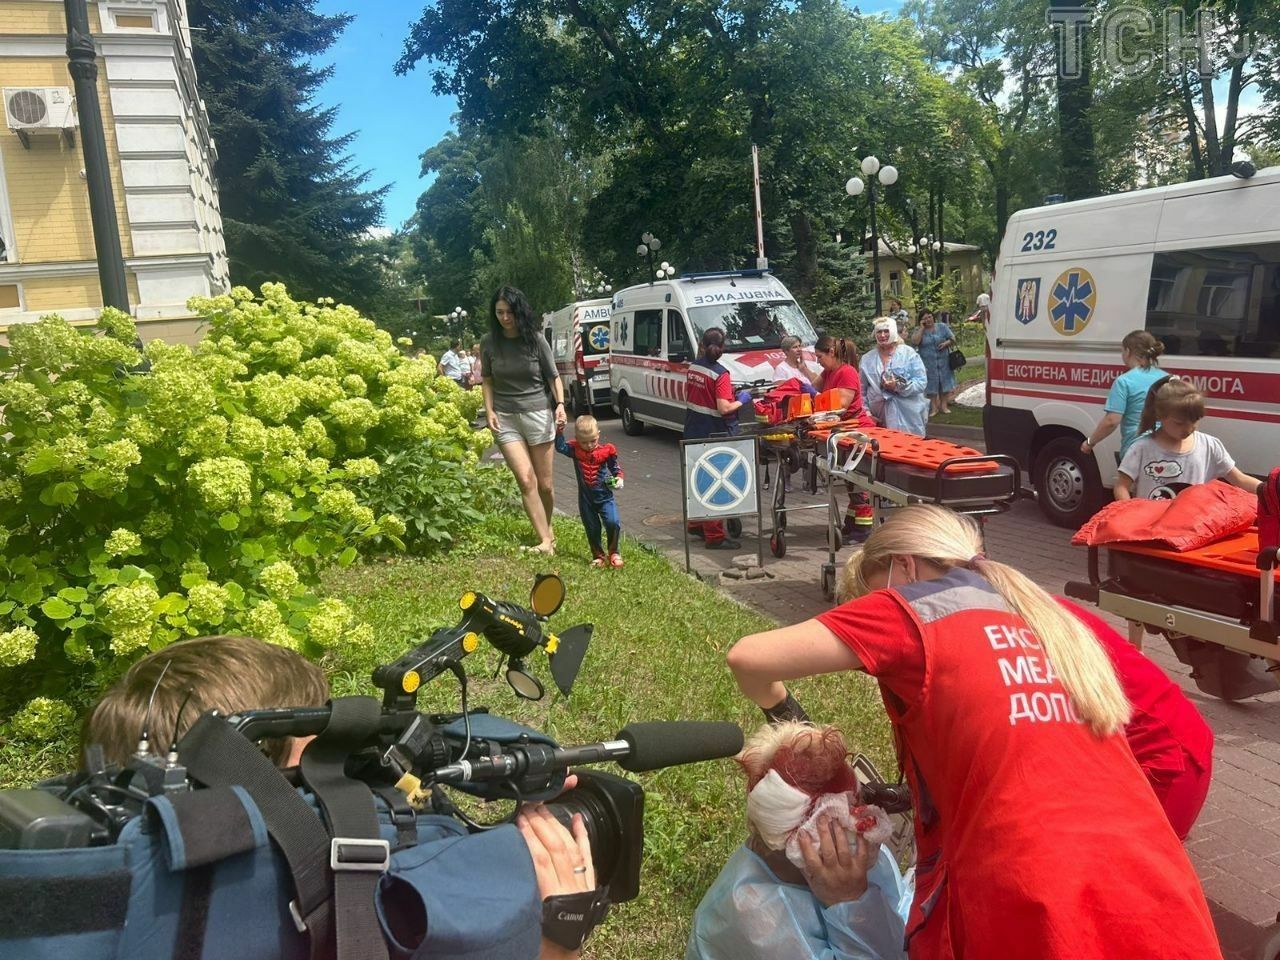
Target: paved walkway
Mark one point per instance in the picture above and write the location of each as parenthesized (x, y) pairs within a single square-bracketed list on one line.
[(1235, 845)]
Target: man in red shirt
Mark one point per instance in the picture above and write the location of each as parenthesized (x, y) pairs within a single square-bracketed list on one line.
[(709, 403)]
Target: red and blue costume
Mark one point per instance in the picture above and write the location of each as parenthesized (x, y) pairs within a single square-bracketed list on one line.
[(596, 505)]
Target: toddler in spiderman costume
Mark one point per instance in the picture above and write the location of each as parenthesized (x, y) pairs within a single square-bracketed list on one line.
[(598, 473)]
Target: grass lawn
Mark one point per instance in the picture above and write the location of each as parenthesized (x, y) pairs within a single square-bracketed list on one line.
[(657, 654)]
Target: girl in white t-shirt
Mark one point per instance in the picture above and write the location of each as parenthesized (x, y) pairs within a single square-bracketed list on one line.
[(1174, 455)]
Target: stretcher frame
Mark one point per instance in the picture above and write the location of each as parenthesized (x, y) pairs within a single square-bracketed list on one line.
[(774, 451), (1255, 638), (885, 496)]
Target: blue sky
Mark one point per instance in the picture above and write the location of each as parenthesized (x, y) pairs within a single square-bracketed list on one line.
[(395, 118)]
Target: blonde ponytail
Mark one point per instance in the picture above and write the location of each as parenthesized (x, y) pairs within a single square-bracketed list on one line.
[(948, 540)]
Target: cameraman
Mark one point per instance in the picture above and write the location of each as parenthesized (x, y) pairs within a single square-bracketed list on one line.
[(233, 674)]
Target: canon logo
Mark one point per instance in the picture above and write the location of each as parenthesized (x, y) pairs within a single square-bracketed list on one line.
[(572, 917)]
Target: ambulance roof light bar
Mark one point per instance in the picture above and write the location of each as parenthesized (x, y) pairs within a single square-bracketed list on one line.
[(723, 274)]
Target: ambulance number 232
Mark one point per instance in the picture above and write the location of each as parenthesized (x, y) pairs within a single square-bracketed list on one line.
[(1040, 240)]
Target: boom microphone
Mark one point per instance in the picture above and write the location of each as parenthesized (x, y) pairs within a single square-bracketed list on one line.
[(638, 747), (655, 745)]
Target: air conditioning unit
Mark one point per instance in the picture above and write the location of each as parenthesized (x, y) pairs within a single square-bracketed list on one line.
[(31, 109)]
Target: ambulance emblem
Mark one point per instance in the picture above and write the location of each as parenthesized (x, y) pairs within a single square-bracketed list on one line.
[(1072, 300), (1027, 304), (599, 337)]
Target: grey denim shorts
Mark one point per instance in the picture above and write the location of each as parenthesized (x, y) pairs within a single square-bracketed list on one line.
[(531, 426)]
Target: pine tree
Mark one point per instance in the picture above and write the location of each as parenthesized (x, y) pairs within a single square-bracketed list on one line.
[(293, 207)]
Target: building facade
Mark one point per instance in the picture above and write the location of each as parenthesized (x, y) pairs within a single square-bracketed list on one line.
[(160, 152)]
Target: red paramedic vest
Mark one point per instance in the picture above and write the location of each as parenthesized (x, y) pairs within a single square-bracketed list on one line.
[(1035, 838)]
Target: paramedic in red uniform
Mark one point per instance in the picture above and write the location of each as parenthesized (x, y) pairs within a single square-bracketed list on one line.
[(838, 358), (709, 403), (1037, 835)]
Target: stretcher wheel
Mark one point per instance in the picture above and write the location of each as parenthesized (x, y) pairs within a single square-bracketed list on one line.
[(1269, 947), (733, 527), (778, 544), (829, 581)]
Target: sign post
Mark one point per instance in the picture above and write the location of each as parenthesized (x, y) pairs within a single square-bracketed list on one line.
[(718, 476)]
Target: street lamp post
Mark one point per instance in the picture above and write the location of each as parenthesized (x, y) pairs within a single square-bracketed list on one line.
[(83, 65), (888, 176), (649, 245), (457, 317)]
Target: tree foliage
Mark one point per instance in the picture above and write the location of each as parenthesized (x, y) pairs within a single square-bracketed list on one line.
[(294, 208)]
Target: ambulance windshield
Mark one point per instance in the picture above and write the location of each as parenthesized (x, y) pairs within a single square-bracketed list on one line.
[(751, 325)]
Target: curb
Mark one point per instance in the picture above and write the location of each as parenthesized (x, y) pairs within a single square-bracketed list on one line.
[(955, 431)]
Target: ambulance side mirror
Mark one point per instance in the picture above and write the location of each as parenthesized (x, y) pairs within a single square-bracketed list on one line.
[(678, 356)]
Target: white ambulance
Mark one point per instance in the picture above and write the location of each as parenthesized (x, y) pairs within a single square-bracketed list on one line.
[(657, 328), (1196, 264), (579, 338)]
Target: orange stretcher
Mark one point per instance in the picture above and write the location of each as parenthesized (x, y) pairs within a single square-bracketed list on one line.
[(897, 469), (1215, 604)]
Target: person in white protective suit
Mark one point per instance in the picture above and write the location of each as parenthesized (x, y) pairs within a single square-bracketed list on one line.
[(814, 880)]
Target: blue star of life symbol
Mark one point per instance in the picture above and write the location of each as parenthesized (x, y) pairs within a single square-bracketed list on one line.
[(1071, 302), (599, 337), (721, 479)]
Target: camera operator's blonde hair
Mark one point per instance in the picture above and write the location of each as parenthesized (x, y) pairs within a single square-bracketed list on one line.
[(949, 540)]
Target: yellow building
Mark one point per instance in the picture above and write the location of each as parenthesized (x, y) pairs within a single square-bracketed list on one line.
[(161, 157), (962, 265)]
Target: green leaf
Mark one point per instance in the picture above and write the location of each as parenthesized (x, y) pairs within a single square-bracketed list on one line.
[(74, 594), (190, 580), (42, 462), (55, 608), (169, 603), (97, 480), (75, 623), (87, 609), (26, 593), (235, 592), (59, 494), (229, 521), (300, 514), (76, 647), (252, 550), (347, 557), (304, 546), (6, 607), (129, 573)]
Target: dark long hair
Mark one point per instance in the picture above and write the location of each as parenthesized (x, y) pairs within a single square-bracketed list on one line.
[(846, 350), (713, 343), (526, 322)]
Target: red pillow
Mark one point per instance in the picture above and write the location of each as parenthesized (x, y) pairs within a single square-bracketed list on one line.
[(1199, 515)]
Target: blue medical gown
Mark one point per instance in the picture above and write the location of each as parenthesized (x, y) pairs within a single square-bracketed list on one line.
[(907, 409), (749, 914)]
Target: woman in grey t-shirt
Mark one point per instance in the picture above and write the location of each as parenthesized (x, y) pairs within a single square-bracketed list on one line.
[(523, 403)]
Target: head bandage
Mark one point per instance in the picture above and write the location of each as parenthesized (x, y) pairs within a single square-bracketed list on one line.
[(887, 323), (781, 813)]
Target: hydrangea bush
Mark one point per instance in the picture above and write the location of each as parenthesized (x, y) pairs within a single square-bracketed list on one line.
[(146, 497)]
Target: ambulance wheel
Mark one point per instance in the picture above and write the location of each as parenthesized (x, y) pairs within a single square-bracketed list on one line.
[(630, 425), (1068, 487), (778, 544), (733, 527), (1269, 947), (829, 581)]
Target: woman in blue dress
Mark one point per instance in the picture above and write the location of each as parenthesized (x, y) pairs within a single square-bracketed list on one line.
[(933, 341), (893, 381)]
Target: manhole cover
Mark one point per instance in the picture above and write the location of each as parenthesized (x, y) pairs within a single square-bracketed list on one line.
[(663, 520)]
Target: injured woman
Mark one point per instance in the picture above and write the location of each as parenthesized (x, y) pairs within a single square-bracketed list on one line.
[(814, 880)]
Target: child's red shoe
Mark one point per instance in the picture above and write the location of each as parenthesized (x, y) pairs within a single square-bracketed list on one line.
[(598, 562), (615, 560)]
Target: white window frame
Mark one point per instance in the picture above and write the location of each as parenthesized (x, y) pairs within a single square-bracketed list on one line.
[(22, 299), (6, 220)]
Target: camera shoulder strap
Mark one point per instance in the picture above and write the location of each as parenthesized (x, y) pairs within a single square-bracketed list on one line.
[(358, 855), (216, 755)]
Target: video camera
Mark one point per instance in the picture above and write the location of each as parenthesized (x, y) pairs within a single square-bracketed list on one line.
[(417, 754)]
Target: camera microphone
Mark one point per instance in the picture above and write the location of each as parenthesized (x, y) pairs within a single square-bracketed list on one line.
[(638, 747)]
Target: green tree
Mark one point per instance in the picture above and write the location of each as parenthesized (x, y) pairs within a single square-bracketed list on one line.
[(294, 208)]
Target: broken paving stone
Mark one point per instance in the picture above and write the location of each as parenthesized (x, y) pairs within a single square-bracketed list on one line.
[(758, 573), (733, 574), (746, 561)]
